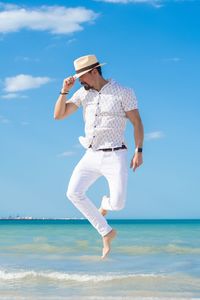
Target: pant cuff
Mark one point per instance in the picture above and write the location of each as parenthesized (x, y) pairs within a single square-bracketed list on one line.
[(109, 229)]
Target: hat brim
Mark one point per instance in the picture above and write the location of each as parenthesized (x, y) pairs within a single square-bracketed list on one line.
[(84, 72)]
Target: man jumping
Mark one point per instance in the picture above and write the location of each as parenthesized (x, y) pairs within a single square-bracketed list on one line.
[(106, 107)]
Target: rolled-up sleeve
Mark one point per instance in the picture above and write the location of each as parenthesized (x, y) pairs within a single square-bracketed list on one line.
[(76, 98), (129, 100)]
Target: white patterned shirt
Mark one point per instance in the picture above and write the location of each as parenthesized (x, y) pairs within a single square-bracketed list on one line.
[(104, 114)]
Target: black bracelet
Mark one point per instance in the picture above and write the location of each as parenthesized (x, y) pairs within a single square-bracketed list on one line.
[(138, 150), (64, 93)]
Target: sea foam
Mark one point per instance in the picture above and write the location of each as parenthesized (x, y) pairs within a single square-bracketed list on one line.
[(22, 274)]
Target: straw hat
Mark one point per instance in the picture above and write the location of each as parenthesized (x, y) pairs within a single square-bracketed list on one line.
[(85, 64)]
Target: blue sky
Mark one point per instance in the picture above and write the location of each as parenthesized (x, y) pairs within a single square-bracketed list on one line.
[(150, 46)]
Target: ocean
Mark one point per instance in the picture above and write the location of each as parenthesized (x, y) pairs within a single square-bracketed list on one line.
[(60, 259)]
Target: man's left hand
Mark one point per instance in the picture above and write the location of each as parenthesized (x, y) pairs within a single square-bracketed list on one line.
[(136, 161)]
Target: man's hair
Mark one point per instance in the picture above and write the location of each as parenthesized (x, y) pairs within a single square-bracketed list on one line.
[(99, 70)]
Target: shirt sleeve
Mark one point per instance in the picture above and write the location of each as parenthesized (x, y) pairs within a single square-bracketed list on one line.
[(76, 98), (129, 100)]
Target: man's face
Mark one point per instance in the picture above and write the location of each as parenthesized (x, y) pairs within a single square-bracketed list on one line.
[(87, 80)]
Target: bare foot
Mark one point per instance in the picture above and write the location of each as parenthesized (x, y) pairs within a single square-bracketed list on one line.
[(103, 211), (107, 241)]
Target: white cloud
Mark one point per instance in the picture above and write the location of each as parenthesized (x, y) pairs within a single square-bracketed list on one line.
[(70, 41), (66, 153), (13, 96), (10, 96), (24, 123), (55, 19), (4, 120), (23, 82), (128, 1), (172, 59), (156, 3), (26, 59), (155, 135), (7, 6)]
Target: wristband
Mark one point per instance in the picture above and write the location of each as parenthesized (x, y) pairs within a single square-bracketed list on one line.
[(64, 93), (138, 150)]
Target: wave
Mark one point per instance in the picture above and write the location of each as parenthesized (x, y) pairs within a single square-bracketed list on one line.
[(83, 244), (170, 249), (133, 284), (37, 248), (22, 274), (117, 278)]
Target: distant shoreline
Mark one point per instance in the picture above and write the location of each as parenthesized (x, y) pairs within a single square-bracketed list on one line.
[(32, 218), (85, 221)]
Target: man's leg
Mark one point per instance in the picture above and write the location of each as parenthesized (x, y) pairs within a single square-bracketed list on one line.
[(115, 169), (84, 175)]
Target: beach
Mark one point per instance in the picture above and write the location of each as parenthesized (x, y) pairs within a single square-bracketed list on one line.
[(60, 259)]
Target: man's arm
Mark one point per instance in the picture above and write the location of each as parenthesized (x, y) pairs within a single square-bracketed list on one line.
[(63, 109), (134, 117)]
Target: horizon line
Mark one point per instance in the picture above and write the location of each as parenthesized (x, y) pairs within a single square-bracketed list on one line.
[(83, 219)]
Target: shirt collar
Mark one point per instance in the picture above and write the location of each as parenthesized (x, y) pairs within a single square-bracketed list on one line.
[(110, 81)]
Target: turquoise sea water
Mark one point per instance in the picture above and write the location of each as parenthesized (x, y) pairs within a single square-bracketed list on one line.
[(60, 259)]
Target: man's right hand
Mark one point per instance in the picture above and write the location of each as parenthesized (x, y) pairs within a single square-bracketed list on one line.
[(68, 84)]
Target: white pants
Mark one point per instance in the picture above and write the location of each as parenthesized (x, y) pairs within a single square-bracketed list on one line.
[(112, 165)]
